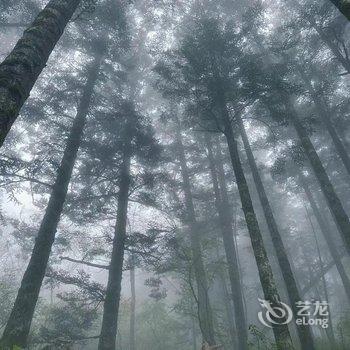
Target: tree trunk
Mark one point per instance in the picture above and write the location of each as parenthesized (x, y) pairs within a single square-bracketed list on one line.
[(107, 340), (281, 332), (18, 325), (326, 231), (334, 203), (223, 208), (314, 280), (233, 211), (325, 115), (132, 305), (344, 61), (229, 311), (304, 332), (329, 330), (22, 67), (193, 334), (204, 308), (343, 6)]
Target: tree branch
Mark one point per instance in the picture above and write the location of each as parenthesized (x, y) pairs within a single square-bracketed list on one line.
[(99, 266), (319, 275)]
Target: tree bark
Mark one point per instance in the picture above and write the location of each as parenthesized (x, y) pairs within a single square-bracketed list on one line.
[(325, 115), (223, 208), (204, 309), (304, 333), (325, 229), (108, 335), (281, 332), (232, 211), (334, 203), (18, 325), (132, 305), (22, 67)]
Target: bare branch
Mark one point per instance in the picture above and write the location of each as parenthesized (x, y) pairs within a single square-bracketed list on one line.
[(99, 266)]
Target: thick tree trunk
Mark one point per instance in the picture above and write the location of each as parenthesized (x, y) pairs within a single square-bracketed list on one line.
[(304, 333), (281, 332), (204, 309), (108, 334), (343, 6), (132, 305), (326, 231), (223, 208), (334, 203), (325, 115), (18, 325), (22, 67)]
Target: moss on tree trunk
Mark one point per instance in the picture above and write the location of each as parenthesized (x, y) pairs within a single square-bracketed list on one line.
[(304, 332), (22, 67)]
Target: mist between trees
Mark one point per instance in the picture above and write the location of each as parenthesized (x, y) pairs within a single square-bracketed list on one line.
[(174, 174)]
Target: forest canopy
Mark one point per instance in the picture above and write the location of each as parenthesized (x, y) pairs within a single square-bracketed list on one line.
[(174, 174)]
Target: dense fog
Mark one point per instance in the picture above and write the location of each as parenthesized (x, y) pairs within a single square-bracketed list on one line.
[(174, 175)]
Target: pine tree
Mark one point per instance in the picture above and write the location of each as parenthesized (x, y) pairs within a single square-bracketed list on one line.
[(204, 308), (18, 325), (304, 332), (135, 139), (225, 217), (210, 56)]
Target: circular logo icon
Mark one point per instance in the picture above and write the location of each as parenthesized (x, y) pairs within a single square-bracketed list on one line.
[(274, 314)]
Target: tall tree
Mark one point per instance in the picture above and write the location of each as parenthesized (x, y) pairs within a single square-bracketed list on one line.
[(107, 340), (335, 205), (325, 113), (304, 332), (327, 27), (223, 208), (205, 65), (281, 332), (118, 136), (18, 325), (279, 98), (204, 308), (326, 231)]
